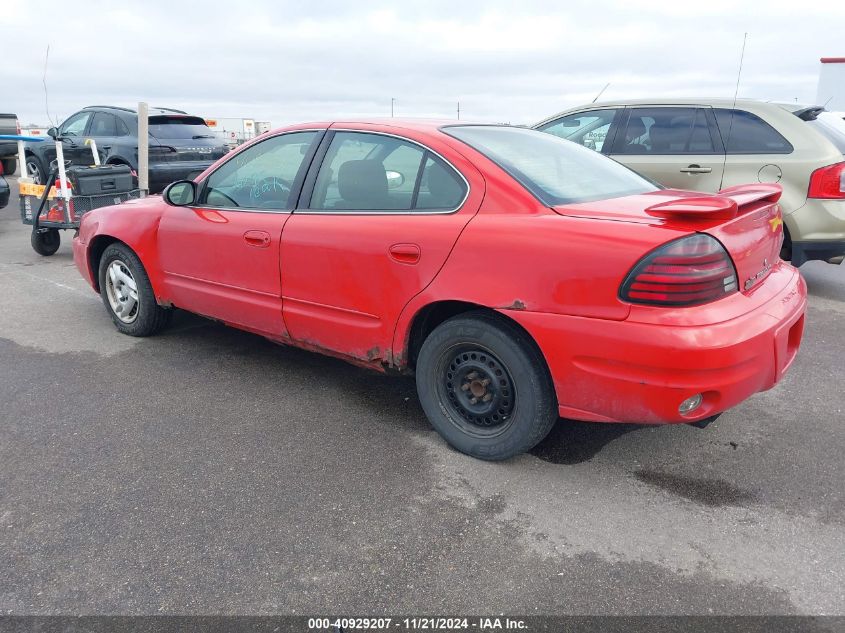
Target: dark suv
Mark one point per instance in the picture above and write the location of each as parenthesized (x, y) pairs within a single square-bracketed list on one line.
[(181, 146)]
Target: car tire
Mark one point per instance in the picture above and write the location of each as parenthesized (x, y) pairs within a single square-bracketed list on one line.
[(9, 166), (485, 386), (35, 170), (134, 310), (46, 242)]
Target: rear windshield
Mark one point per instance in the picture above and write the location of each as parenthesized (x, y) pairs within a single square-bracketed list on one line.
[(556, 171), (832, 127), (179, 127)]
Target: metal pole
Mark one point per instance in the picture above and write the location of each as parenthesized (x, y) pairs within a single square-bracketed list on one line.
[(143, 148), (60, 159), (459, 110), (392, 99), (22, 161)]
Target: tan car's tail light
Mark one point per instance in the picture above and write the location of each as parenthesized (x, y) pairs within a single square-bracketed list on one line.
[(828, 182)]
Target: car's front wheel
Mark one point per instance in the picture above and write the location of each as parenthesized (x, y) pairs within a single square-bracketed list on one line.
[(128, 294), (485, 386), (35, 170)]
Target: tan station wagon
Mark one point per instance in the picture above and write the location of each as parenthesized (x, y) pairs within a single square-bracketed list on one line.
[(710, 144)]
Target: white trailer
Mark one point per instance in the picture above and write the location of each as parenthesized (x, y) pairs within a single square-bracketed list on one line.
[(831, 92), (233, 131)]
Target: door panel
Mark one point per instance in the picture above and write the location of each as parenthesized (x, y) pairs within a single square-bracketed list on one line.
[(224, 264), (347, 272), (674, 146), (220, 258)]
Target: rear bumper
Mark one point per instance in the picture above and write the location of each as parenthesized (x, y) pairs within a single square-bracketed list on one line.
[(640, 371), (8, 149), (817, 230), (803, 252)]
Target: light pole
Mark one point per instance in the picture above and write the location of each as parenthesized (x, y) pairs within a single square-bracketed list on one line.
[(392, 100)]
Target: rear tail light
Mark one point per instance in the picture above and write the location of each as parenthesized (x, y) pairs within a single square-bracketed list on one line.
[(1, 168), (689, 271), (828, 182)]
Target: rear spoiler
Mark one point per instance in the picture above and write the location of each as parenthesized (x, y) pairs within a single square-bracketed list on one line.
[(725, 205)]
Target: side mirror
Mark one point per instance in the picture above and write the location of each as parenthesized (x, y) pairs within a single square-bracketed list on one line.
[(52, 132), (181, 193)]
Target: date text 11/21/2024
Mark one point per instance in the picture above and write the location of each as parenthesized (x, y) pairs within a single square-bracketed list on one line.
[(417, 624)]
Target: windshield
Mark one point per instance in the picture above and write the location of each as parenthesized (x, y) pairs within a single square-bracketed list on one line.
[(832, 127), (174, 127), (556, 171)]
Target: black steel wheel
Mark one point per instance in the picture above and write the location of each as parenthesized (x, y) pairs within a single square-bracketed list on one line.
[(485, 386), (478, 390)]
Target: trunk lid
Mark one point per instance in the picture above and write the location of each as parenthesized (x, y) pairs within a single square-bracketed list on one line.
[(746, 219), (183, 138)]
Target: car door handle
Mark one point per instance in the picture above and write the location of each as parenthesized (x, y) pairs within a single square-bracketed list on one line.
[(405, 253), (696, 169), (259, 239)]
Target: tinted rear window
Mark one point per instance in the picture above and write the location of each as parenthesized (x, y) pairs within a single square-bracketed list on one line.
[(554, 170), (192, 127), (832, 127), (746, 133)]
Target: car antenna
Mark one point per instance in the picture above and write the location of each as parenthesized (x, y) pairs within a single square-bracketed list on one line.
[(733, 109), (601, 92), (44, 82)]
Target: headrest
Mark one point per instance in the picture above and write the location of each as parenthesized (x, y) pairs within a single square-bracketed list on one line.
[(636, 128), (668, 136), (362, 184)]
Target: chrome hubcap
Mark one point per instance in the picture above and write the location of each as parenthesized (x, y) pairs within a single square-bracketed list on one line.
[(34, 172), (122, 292)]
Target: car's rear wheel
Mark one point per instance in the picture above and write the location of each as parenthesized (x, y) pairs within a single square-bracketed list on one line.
[(485, 386), (9, 166), (45, 242), (128, 294), (35, 170)]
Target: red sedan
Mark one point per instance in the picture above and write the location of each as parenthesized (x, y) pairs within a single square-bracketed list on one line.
[(519, 276)]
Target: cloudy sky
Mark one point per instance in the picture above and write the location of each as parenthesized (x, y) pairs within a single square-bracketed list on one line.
[(504, 61)]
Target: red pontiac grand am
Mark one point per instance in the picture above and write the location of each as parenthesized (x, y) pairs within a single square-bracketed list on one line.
[(519, 276)]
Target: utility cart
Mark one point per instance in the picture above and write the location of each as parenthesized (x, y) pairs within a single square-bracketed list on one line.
[(69, 193)]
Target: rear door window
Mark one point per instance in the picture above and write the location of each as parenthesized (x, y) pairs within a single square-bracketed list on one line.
[(746, 133), (589, 129), (666, 131), (103, 124), (375, 172)]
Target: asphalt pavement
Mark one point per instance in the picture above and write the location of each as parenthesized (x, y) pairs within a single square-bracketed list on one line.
[(207, 470)]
